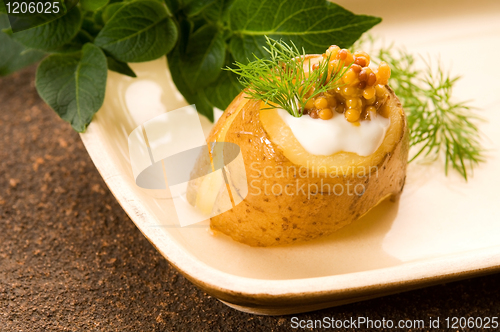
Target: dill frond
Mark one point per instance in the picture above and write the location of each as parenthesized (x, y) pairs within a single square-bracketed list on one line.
[(281, 81)]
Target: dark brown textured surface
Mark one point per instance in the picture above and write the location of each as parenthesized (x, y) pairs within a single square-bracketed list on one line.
[(71, 259)]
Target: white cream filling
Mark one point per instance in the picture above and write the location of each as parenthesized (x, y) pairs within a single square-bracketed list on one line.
[(326, 137)]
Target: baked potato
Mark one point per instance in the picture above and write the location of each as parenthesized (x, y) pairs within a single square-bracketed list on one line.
[(294, 195)]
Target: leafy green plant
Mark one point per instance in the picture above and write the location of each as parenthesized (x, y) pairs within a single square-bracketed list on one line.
[(74, 83), (199, 37), (282, 79), (52, 35)]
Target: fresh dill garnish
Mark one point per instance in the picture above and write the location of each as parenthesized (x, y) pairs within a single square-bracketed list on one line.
[(282, 81), (439, 126)]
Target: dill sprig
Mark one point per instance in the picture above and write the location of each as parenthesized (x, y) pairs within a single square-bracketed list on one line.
[(281, 80), (439, 126)]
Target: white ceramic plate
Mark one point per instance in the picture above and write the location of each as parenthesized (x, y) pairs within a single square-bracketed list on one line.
[(442, 229)]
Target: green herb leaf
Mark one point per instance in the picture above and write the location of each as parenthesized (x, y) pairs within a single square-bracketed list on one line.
[(175, 6), (120, 67), (2, 8), (313, 25), (90, 25), (282, 80), (193, 96), (51, 35), (224, 90), (93, 5), (97, 15), (202, 12), (139, 31), (217, 11), (440, 127), (204, 57), (143, 30), (196, 6), (74, 84), (14, 56), (227, 86)]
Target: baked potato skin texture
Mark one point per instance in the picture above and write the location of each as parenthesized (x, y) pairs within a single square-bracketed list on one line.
[(267, 219)]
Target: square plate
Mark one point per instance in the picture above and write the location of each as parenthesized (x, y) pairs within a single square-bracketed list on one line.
[(442, 229)]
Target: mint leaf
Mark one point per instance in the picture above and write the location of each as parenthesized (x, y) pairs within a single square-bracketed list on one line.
[(120, 67), (313, 25), (93, 5), (204, 57), (13, 55), (53, 34), (139, 31), (74, 84)]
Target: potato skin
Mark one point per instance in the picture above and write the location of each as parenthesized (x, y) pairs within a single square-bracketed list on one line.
[(265, 218)]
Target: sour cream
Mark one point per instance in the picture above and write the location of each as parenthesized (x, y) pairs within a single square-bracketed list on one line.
[(326, 137)]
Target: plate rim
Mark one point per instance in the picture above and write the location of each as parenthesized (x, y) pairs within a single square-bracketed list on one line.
[(263, 293)]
